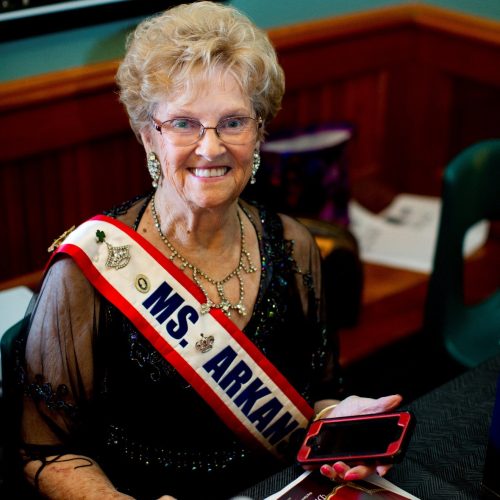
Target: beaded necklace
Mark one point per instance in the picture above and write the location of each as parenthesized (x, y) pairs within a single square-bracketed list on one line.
[(198, 274)]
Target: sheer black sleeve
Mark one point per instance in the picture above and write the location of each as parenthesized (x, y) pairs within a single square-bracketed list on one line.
[(309, 275), (59, 360)]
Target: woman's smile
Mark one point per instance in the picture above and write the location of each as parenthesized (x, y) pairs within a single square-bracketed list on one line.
[(209, 172)]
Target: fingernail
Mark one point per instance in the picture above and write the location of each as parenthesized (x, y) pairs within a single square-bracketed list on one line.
[(326, 470), (339, 468), (351, 476)]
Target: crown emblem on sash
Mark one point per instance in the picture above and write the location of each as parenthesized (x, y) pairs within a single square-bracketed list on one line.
[(205, 343)]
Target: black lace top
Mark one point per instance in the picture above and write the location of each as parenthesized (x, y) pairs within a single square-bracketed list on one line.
[(96, 387)]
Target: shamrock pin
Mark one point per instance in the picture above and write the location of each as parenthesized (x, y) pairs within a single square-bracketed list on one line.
[(99, 236)]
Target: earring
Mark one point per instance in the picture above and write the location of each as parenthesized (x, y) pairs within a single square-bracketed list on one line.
[(255, 166), (154, 168)]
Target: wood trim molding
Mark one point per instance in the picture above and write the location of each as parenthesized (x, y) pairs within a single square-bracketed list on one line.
[(62, 84), (57, 85), (386, 18), (460, 24)]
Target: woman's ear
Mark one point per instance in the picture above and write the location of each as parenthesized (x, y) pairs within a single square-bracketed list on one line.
[(146, 138)]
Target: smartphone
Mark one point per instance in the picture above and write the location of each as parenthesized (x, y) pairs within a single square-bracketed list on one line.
[(375, 438)]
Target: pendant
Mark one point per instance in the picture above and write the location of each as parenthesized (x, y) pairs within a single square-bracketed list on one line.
[(226, 307), (205, 308), (241, 309), (118, 257)]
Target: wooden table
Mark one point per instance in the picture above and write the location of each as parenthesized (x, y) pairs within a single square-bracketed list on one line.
[(392, 308), (393, 300)]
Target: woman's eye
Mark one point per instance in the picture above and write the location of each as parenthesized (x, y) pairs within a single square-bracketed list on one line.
[(181, 123), (232, 123)]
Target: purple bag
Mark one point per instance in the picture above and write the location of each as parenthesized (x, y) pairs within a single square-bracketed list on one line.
[(304, 174)]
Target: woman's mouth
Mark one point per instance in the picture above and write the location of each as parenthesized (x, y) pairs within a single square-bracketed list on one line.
[(210, 172)]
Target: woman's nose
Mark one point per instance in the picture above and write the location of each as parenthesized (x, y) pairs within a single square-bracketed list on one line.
[(210, 146)]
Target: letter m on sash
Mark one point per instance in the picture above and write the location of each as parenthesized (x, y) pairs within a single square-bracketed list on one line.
[(163, 302)]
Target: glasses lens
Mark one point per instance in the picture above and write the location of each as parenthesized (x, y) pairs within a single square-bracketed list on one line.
[(182, 131), (237, 129)]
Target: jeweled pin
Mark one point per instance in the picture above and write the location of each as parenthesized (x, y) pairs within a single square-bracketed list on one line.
[(142, 283), (205, 343), (118, 257), (57, 242)]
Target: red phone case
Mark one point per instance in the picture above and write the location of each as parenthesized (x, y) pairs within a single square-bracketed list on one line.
[(393, 451)]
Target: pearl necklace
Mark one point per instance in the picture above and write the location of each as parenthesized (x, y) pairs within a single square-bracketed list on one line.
[(197, 273)]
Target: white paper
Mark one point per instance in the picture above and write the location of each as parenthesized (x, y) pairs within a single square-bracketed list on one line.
[(308, 142), (288, 487), (404, 234), (374, 479)]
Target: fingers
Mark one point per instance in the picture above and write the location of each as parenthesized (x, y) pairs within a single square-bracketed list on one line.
[(387, 403), (340, 471), (330, 471), (355, 405), (383, 469), (337, 471), (358, 472)]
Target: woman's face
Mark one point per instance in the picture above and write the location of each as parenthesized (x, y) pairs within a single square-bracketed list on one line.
[(208, 173)]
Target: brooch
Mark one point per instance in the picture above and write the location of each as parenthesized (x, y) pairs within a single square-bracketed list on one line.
[(205, 343), (118, 257), (57, 242)]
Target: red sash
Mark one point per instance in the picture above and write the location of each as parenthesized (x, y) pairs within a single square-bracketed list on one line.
[(227, 370)]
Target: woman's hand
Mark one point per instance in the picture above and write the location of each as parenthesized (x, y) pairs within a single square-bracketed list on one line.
[(354, 405)]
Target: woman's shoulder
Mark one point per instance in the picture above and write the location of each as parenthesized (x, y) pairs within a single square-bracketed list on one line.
[(277, 225), (64, 273), (294, 229), (130, 211)]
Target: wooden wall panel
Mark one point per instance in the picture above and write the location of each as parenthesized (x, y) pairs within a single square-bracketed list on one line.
[(44, 195), (477, 115), (417, 129), (418, 83)]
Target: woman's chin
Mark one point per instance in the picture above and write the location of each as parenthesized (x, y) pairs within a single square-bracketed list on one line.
[(212, 201), (213, 194)]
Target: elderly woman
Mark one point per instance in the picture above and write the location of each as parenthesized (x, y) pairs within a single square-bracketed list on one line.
[(179, 344)]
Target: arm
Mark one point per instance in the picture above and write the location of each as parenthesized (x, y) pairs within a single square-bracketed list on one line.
[(326, 378), (307, 255), (70, 476), (59, 382)]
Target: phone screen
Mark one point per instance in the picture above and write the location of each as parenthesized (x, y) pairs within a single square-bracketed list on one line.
[(355, 437)]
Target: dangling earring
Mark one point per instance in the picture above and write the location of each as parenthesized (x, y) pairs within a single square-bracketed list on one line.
[(255, 166), (154, 168)]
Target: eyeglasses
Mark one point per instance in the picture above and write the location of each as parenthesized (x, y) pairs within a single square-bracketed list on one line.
[(235, 130)]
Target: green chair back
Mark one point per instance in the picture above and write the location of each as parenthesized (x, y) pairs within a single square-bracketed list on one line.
[(470, 193)]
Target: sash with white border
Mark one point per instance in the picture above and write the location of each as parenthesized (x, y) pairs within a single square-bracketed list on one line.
[(227, 370)]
